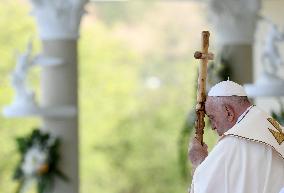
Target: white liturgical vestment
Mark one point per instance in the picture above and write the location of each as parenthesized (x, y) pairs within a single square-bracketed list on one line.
[(249, 158)]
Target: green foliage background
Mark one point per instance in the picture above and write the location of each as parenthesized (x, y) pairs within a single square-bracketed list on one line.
[(132, 138)]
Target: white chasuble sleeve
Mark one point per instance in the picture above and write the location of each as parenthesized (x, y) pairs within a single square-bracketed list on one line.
[(240, 166)]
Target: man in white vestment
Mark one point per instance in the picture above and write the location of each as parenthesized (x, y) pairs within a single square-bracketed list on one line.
[(249, 156)]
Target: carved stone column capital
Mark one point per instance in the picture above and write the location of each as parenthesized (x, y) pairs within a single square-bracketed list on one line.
[(58, 19), (234, 20)]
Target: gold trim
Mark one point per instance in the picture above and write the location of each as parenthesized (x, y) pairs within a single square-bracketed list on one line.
[(278, 135)]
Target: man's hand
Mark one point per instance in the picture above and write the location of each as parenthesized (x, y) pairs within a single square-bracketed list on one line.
[(197, 152)]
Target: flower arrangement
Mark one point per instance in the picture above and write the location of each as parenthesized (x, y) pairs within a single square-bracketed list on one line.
[(39, 154)]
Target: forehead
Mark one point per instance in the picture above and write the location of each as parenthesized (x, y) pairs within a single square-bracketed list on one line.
[(210, 101), (210, 104)]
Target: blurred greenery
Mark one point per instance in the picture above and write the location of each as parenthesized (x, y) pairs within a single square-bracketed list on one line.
[(17, 27), (135, 94), (279, 116), (122, 11), (129, 132)]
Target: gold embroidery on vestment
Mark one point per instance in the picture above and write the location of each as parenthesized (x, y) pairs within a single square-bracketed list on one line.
[(278, 135)]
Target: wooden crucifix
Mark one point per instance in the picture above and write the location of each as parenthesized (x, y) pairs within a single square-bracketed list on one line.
[(204, 56)]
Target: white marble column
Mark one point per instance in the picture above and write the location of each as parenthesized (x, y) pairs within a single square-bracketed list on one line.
[(234, 22), (272, 87), (58, 23)]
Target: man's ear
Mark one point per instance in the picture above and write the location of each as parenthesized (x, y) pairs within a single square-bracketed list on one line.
[(230, 113)]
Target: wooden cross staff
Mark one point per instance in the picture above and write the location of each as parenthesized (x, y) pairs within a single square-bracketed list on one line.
[(204, 56)]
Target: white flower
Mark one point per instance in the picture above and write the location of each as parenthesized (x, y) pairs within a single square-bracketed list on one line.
[(33, 160)]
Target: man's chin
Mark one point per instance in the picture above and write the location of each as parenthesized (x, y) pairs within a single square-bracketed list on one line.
[(219, 133)]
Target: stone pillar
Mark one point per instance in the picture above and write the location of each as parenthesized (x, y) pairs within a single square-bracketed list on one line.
[(58, 22), (234, 22), (59, 89), (272, 11)]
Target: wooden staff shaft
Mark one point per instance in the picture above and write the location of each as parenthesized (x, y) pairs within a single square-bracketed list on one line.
[(201, 92)]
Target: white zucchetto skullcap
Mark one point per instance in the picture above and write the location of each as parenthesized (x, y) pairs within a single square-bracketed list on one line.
[(227, 88)]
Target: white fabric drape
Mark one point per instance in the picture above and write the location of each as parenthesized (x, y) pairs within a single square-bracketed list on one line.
[(240, 166), (244, 161)]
